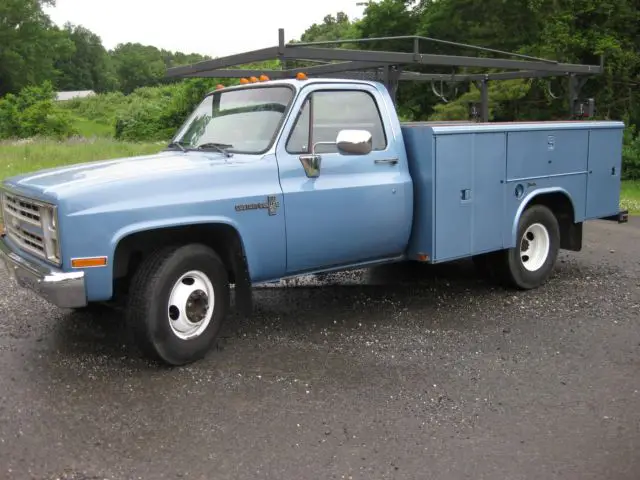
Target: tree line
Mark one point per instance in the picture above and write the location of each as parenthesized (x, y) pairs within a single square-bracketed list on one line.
[(73, 58), (34, 50)]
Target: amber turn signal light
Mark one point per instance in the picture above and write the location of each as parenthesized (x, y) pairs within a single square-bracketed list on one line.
[(89, 262)]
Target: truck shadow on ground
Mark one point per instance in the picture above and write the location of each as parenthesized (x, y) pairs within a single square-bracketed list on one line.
[(312, 303)]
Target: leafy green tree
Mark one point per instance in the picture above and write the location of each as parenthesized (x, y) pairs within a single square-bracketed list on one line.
[(137, 66), (173, 59), (581, 30), (388, 18), (29, 44), (89, 66), (336, 27), (504, 25)]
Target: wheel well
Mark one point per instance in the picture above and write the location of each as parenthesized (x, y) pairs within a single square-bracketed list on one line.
[(223, 239), (562, 207)]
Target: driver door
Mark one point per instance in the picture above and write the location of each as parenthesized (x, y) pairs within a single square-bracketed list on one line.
[(359, 207)]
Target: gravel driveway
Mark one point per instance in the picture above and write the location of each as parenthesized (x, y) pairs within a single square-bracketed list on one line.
[(402, 372)]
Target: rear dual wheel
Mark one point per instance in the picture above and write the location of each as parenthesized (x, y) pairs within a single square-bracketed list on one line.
[(530, 263)]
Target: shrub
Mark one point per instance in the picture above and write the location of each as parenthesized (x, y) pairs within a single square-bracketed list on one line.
[(33, 112), (631, 154), (155, 113), (101, 108)]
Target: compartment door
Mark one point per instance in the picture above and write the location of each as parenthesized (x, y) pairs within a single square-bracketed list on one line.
[(603, 181), (489, 167), (453, 196)]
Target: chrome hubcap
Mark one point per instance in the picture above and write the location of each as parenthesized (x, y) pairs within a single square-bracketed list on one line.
[(191, 303), (534, 247)]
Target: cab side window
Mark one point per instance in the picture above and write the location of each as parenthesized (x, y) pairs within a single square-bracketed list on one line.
[(325, 113)]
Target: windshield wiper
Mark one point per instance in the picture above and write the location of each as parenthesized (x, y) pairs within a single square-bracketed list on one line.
[(220, 147), (177, 144)]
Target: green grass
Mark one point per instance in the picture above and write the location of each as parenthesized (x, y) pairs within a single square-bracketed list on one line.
[(91, 128), (29, 156), (631, 196)]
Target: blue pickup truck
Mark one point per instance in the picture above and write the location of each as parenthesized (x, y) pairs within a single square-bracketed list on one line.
[(279, 178)]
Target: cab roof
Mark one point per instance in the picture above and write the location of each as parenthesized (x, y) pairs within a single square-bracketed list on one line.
[(297, 84)]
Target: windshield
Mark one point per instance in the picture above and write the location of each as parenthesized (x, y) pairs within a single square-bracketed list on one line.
[(243, 121)]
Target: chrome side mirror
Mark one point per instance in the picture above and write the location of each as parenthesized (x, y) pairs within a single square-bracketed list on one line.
[(354, 142), (349, 142)]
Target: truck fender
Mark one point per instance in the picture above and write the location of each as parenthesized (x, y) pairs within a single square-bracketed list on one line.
[(526, 201), (241, 261)]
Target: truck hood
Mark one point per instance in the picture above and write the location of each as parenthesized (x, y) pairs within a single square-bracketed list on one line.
[(56, 182)]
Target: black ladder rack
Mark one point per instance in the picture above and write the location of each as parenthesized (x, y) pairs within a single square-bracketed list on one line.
[(390, 67)]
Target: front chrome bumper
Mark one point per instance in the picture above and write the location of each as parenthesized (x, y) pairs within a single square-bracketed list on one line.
[(65, 290)]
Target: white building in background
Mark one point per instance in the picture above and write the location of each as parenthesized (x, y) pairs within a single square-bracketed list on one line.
[(62, 96)]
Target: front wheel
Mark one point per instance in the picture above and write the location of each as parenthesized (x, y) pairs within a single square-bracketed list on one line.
[(178, 299), (531, 262)]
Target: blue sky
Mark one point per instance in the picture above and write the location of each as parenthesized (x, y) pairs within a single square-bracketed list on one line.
[(208, 27)]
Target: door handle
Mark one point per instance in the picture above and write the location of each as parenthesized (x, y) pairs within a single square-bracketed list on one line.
[(386, 161)]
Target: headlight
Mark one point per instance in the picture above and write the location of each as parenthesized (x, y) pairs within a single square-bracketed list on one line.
[(49, 220)]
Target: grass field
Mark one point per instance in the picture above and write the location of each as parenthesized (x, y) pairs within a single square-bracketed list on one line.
[(20, 157), (92, 128), (630, 197)]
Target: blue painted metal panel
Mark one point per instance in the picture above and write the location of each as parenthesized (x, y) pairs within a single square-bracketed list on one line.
[(489, 170), (481, 157), (472, 127), (568, 151), (516, 196), (571, 186), (454, 178), (419, 143), (574, 187), (527, 155), (470, 173), (546, 152), (603, 187), (356, 210), (445, 168)]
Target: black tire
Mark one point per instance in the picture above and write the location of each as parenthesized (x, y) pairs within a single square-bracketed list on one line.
[(148, 306), (510, 267)]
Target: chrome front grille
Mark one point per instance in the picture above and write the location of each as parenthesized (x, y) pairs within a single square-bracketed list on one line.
[(22, 209), (22, 222)]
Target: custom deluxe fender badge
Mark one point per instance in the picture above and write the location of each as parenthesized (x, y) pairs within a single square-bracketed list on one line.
[(271, 205)]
